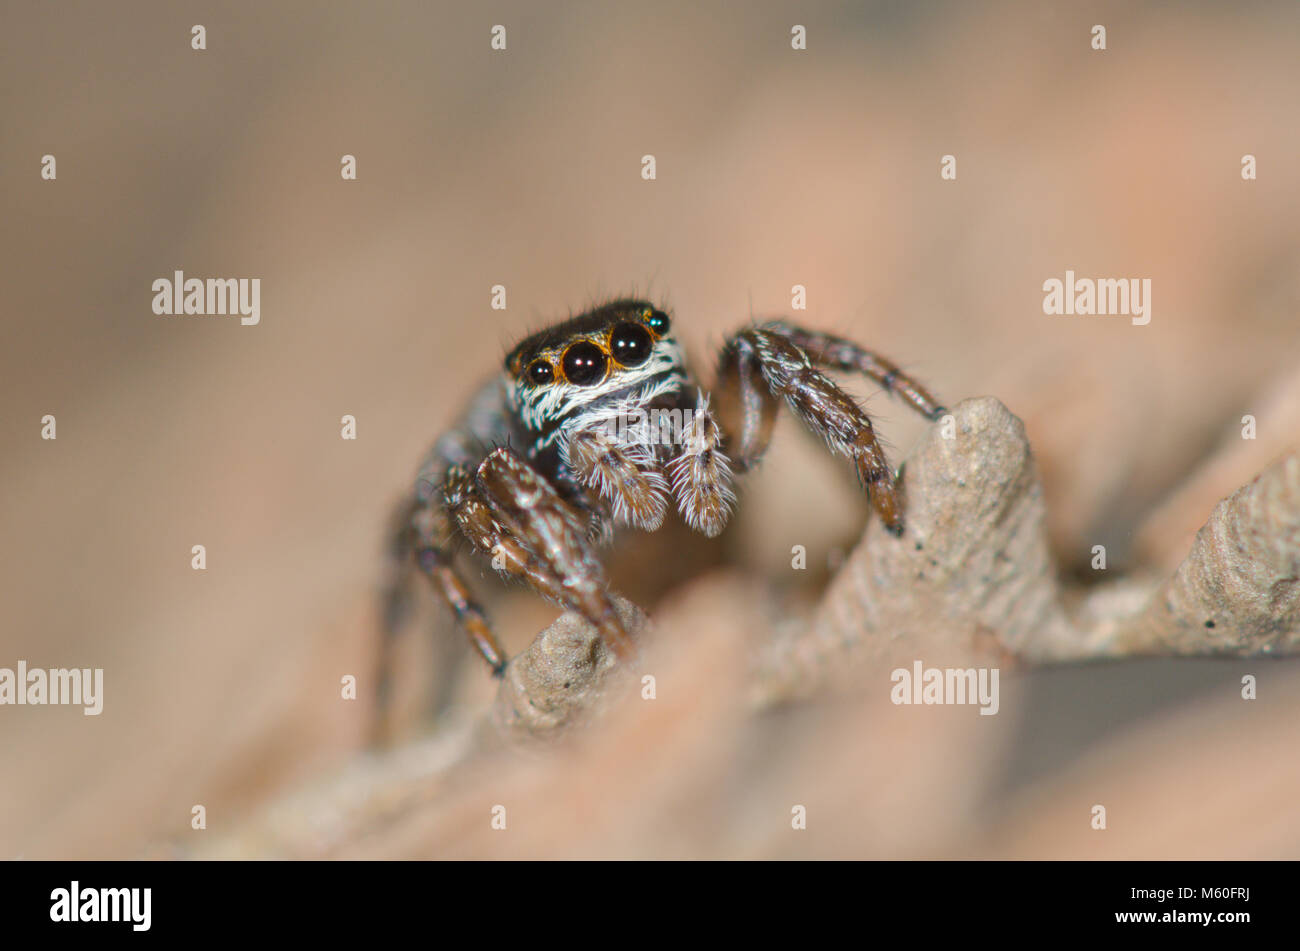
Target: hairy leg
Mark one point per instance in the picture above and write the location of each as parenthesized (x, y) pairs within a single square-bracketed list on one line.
[(836, 353), (746, 403), (420, 536), (421, 540), (527, 510), (788, 373), (496, 535)]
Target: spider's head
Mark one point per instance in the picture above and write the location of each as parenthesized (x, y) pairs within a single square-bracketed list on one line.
[(622, 350)]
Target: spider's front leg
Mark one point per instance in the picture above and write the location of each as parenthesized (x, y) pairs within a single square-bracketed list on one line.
[(540, 539), (760, 367), (836, 353)]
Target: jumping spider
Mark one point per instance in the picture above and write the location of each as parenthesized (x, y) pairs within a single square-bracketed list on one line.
[(570, 443)]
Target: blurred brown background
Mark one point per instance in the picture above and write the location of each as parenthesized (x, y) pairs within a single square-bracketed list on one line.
[(522, 167)]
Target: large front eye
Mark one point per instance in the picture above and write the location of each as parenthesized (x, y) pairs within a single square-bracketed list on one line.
[(630, 344), (584, 363)]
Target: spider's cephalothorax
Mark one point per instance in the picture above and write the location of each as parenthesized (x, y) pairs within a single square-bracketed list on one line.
[(596, 424)]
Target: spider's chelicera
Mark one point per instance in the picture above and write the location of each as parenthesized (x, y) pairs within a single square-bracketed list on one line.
[(596, 424)]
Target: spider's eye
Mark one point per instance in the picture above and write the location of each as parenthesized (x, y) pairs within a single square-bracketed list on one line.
[(630, 344), (657, 321), (540, 372), (584, 363)]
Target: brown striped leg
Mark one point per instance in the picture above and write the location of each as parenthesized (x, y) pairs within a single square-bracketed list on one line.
[(528, 510), (435, 561), (421, 525), (419, 538), (496, 536), (788, 373), (746, 405), (836, 353)]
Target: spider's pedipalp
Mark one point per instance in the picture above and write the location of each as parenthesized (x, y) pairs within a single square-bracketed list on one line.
[(701, 473), (627, 477)]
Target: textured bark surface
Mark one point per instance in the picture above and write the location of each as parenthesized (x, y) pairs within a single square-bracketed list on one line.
[(971, 582), (1238, 592), (971, 576), (563, 677)]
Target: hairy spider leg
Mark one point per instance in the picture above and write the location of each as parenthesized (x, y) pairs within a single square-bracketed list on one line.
[(529, 511), (421, 538), (836, 353), (768, 367)]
